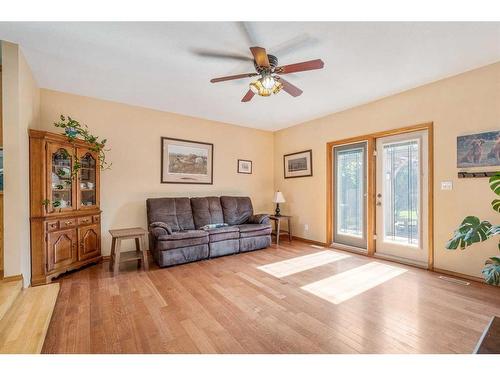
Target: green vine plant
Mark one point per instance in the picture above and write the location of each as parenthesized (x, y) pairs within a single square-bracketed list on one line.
[(74, 130), (473, 230)]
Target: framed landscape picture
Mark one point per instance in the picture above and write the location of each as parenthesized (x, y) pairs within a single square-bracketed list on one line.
[(298, 164), (186, 162), (244, 166), (478, 150)]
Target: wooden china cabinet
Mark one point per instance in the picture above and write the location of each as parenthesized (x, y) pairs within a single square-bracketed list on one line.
[(64, 209)]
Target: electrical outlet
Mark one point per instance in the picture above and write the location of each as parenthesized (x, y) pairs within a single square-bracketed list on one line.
[(446, 185), (306, 227)]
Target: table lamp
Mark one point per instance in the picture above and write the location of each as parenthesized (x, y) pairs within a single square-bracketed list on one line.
[(278, 198)]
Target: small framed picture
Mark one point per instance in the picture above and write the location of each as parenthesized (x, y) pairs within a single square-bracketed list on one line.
[(244, 166), (298, 164)]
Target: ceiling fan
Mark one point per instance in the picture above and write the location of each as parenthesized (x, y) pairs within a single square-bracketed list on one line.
[(270, 81)]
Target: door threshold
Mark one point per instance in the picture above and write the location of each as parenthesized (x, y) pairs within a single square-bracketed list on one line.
[(408, 262), (352, 249)]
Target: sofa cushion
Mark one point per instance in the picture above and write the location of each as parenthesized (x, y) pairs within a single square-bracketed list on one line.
[(176, 212), (207, 210), (236, 210), (184, 234), (253, 230), (223, 233), (182, 239)]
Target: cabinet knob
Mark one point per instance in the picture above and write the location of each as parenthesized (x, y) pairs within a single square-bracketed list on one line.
[(67, 222)]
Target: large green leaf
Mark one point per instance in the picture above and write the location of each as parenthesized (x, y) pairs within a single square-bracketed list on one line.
[(496, 205), (491, 271), (494, 230), (471, 230), (495, 183)]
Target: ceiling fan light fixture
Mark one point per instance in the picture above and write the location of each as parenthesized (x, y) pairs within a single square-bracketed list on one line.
[(267, 81), (277, 87), (260, 89), (255, 86)]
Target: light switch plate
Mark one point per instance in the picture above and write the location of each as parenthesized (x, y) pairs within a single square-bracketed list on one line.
[(446, 185)]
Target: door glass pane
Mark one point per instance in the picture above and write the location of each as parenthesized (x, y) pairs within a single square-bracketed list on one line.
[(401, 194), (87, 180), (61, 179), (350, 192)]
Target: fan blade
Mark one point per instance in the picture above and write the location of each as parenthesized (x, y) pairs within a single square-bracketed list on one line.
[(229, 78), (260, 56), (289, 88), (220, 55), (248, 32), (300, 67), (248, 96), (292, 45)]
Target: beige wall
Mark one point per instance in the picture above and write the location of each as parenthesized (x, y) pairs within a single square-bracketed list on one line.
[(133, 135), (459, 105), (21, 109)]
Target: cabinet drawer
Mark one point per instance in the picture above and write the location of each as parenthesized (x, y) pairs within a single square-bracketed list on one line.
[(52, 225), (86, 220), (67, 223), (96, 219)]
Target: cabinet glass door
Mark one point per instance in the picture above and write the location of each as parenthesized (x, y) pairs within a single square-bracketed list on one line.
[(60, 189), (87, 180)]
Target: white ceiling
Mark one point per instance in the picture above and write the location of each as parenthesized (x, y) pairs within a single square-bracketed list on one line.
[(156, 64)]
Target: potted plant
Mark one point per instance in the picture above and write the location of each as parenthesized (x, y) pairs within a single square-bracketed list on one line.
[(474, 230)]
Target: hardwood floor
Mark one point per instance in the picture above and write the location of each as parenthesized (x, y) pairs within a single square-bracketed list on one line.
[(228, 305)]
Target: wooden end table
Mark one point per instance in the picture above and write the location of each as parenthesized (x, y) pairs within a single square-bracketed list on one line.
[(277, 227), (140, 254)]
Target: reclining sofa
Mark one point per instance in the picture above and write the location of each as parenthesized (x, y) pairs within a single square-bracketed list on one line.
[(183, 230)]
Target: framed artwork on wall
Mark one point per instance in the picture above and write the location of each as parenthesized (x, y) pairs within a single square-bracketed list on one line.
[(244, 166), (298, 164), (186, 162), (478, 150)]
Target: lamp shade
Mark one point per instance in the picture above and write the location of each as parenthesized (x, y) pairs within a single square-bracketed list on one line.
[(278, 197)]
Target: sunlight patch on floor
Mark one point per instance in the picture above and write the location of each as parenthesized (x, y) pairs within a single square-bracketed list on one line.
[(343, 286), (302, 263)]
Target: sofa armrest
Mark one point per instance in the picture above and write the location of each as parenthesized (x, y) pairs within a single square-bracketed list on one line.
[(157, 232), (259, 219), (159, 228)]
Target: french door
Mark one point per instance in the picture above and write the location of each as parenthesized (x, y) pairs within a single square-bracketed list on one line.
[(402, 183), (350, 195), (380, 202)]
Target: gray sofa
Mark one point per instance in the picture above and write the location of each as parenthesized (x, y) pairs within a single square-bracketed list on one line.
[(179, 228)]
